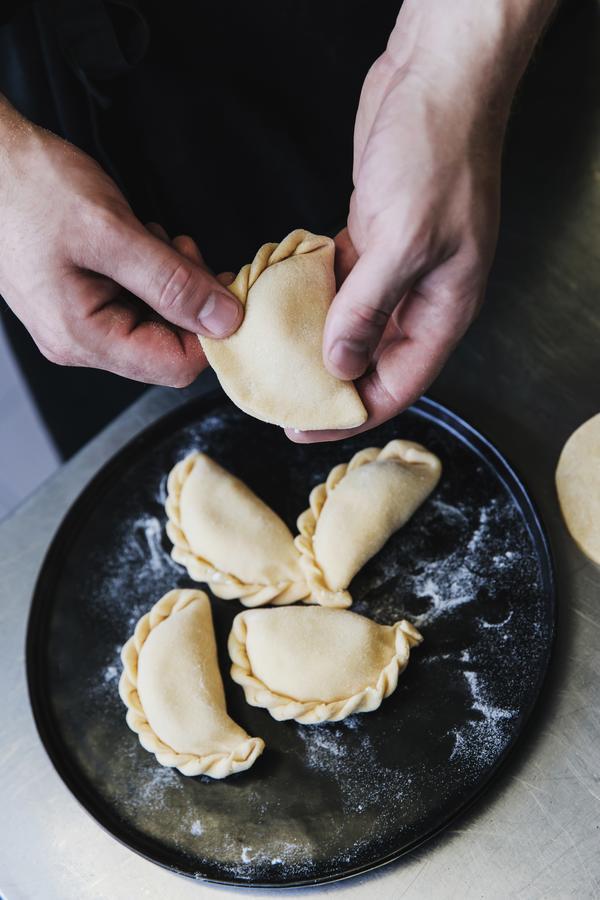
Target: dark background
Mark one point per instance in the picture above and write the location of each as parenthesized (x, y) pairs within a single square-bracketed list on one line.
[(236, 128)]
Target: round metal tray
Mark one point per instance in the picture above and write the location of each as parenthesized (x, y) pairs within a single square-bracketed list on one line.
[(471, 569)]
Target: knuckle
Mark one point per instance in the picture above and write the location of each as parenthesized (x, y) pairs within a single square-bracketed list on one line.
[(55, 352), (418, 250), (92, 216), (175, 287), (61, 343), (366, 319), (381, 68), (98, 230), (106, 222)]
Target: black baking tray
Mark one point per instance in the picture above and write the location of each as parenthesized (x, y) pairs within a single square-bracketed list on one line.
[(472, 569)]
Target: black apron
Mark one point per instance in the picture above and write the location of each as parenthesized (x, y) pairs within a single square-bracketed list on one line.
[(231, 122)]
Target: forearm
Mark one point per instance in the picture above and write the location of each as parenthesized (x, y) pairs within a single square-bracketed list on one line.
[(479, 48)]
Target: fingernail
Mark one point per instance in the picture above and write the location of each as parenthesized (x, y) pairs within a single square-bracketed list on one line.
[(351, 358), (220, 314)]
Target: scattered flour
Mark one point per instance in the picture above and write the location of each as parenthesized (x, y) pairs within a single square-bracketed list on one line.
[(151, 531), (161, 491), (448, 511), (139, 569), (484, 736), (363, 780), (153, 790), (455, 579), (110, 674)]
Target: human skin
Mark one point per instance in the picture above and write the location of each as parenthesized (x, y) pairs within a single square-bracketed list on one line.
[(95, 287), (92, 284), (413, 261)]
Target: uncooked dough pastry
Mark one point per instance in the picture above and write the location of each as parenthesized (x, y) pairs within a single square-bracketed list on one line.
[(225, 536), (272, 367), (173, 690), (314, 664), (355, 511), (578, 486)]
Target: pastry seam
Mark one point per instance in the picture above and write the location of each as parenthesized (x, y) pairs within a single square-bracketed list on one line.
[(406, 451), (311, 712), (296, 243), (218, 765), (222, 584)]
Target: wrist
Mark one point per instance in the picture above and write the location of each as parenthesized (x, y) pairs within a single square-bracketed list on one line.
[(473, 53)]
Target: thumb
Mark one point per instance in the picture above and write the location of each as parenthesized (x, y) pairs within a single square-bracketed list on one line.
[(359, 313), (180, 289)]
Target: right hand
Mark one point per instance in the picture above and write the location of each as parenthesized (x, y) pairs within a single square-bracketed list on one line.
[(91, 284)]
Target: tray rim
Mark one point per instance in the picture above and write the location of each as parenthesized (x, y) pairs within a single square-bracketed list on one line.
[(102, 813)]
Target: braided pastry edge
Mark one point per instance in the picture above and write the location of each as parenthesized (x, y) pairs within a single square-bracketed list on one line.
[(406, 451), (222, 584), (296, 243), (311, 712), (217, 765)]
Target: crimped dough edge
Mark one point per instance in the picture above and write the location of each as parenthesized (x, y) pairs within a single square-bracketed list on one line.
[(217, 765), (311, 712), (222, 584), (407, 451), (296, 243)]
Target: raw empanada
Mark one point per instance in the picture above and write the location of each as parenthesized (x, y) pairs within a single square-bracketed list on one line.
[(272, 367), (357, 509), (173, 690), (225, 536), (314, 664)]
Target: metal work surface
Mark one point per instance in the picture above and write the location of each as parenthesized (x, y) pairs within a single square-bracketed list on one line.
[(527, 374)]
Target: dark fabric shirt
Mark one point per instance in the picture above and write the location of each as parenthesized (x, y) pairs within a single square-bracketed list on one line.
[(228, 121)]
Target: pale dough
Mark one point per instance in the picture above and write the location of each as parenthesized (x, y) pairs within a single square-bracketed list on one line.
[(578, 487), (227, 537), (272, 367), (355, 511), (173, 690), (314, 664)]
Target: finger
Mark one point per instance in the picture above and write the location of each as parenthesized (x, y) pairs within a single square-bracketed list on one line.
[(188, 247), (226, 278), (158, 231), (179, 289), (427, 334), (345, 256), (119, 340), (376, 400), (359, 313)]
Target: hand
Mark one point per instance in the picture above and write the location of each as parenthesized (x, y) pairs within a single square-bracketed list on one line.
[(413, 262), (92, 285)]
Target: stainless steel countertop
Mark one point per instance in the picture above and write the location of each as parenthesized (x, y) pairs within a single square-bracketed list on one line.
[(527, 374)]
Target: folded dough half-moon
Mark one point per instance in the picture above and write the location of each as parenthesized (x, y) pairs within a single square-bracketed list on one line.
[(227, 537), (314, 664), (357, 509), (272, 367), (173, 690)]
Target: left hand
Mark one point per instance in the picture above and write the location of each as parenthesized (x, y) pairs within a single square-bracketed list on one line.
[(413, 262)]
